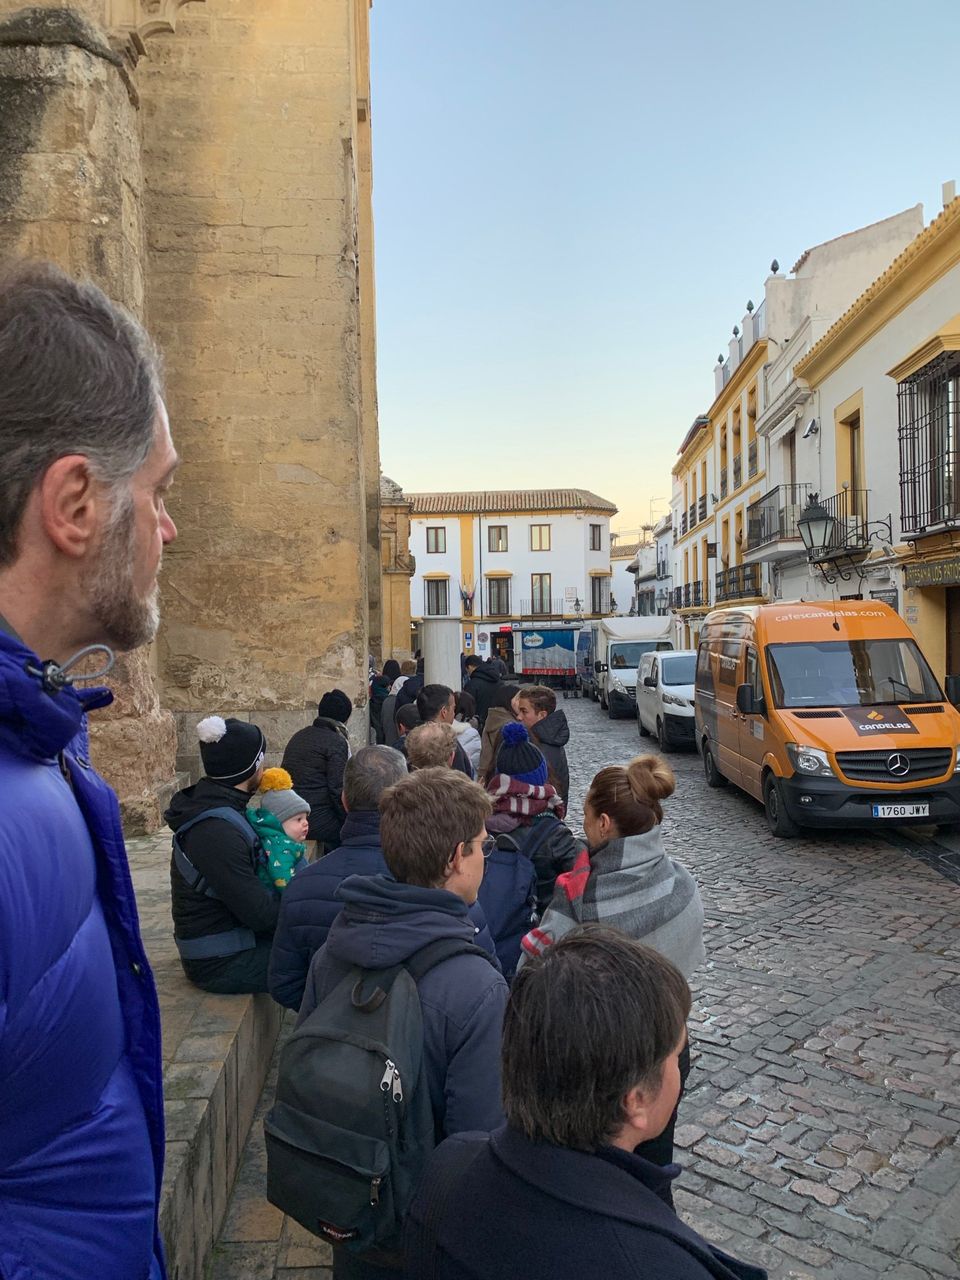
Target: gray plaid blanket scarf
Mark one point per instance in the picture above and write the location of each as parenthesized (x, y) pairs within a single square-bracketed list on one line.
[(632, 885)]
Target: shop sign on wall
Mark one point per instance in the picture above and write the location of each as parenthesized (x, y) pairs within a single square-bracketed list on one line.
[(933, 573)]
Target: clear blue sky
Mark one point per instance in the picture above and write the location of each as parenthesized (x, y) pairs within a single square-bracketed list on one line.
[(574, 200)]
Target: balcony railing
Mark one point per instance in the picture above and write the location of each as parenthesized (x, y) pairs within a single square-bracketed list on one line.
[(683, 524), (723, 482), (543, 608), (929, 408), (741, 582), (773, 518), (849, 511), (752, 458), (738, 471), (678, 597), (702, 508), (691, 596), (691, 515)]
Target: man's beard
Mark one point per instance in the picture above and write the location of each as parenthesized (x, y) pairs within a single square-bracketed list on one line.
[(127, 620)]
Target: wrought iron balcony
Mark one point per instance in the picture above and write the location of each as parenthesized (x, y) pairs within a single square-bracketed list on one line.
[(702, 508), (740, 582), (723, 482), (678, 597), (691, 515), (683, 524), (541, 607), (773, 518), (752, 458), (738, 471), (849, 511)]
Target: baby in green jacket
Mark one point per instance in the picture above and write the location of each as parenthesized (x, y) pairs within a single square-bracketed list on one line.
[(281, 824)]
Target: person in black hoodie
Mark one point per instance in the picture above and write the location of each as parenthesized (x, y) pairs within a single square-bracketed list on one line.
[(315, 758), (223, 914), (548, 728), (481, 685), (591, 1040)]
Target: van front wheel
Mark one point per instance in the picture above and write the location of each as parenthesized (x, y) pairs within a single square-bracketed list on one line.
[(710, 771), (778, 820)]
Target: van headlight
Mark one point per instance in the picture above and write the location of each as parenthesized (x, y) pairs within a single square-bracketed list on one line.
[(810, 761), (618, 685), (672, 700)]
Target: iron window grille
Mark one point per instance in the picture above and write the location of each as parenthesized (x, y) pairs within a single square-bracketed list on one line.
[(928, 432)]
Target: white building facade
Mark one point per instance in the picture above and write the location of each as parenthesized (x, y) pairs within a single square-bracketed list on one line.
[(498, 559)]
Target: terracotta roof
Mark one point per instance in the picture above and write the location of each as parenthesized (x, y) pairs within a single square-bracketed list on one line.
[(941, 224), (497, 501), (624, 550)]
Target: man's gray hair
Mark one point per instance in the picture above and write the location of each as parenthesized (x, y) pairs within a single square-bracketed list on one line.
[(368, 775), (78, 375)]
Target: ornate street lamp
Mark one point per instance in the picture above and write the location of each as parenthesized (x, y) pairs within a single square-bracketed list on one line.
[(816, 527), (613, 604), (578, 609)]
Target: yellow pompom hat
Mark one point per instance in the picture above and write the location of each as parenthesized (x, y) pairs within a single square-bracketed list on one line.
[(278, 796)]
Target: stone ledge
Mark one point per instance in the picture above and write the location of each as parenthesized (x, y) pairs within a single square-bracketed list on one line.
[(216, 1054)]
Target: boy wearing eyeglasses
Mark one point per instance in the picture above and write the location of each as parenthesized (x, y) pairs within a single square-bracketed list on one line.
[(434, 840)]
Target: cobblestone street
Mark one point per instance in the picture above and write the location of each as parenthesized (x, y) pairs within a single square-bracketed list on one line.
[(819, 1135)]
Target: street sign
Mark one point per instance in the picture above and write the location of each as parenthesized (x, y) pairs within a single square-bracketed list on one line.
[(467, 639)]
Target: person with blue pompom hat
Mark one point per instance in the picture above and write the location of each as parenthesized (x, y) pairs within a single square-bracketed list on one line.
[(534, 845)]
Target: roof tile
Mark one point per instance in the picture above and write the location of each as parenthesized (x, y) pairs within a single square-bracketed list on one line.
[(502, 501)]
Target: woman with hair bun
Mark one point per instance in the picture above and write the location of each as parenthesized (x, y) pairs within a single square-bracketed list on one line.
[(625, 879)]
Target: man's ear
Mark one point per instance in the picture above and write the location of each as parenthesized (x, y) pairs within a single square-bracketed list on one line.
[(636, 1111), (455, 865), (71, 505), (343, 801)]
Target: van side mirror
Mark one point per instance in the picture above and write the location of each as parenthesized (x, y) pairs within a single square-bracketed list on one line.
[(650, 682), (599, 667), (952, 686), (748, 703)]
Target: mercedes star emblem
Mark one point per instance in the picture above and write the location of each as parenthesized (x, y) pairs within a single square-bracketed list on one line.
[(898, 765)]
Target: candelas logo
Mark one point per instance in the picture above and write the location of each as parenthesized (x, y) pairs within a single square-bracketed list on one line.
[(875, 715), (880, 720)]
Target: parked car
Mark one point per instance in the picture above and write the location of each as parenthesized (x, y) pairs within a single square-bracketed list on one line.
[(829, 714), (665, 697)]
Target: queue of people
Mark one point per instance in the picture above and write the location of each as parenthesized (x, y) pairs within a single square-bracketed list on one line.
[(427, 1090)]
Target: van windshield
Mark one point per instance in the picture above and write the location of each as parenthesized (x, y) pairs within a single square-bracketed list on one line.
[(850, 673), (629, 655), (679, 670)]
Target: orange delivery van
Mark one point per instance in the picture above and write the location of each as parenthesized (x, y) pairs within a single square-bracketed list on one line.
[(828, 714)]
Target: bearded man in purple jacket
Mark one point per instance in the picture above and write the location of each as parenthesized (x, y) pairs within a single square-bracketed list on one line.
[(85, 460)]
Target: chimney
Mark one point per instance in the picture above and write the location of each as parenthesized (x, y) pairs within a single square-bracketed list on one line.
[(949, 191)]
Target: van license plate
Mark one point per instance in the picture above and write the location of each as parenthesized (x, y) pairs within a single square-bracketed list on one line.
[(901, 811)]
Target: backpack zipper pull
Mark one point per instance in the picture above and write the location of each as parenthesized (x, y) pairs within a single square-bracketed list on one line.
[(388, 1076), (375, 1192), (397, 1086)]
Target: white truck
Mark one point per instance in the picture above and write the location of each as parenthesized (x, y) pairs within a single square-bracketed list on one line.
[(620, 644)]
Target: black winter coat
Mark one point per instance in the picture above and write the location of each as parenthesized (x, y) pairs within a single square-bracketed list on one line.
[(551, 734), (551, 856), (315, 758), (557, 1212), (222, 856), (481, 686), (408, 691)]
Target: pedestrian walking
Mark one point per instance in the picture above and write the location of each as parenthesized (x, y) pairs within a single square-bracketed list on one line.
[(591, 1039), (315, 758), (85, 465), (223, 914), (548, 728), (502, 711), (626, 879)]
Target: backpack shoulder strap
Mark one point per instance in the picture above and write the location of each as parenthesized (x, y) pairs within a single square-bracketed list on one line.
[(186, 868), (449, 1165), (540, 833), (434, 953)]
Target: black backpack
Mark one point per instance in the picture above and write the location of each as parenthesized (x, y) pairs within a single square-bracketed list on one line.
[(352, 1123)]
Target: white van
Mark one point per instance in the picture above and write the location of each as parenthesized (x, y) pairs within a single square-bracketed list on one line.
[(620, 644), (665, 697)]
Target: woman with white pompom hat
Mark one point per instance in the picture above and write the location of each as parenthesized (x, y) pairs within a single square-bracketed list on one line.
[(224, 916)]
